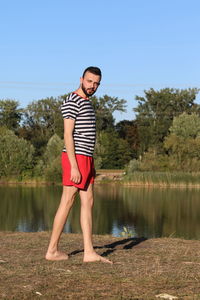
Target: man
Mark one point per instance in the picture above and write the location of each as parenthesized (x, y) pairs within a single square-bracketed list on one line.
[(78, 165)]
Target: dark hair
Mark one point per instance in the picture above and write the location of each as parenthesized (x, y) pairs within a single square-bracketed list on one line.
[(93, 70)]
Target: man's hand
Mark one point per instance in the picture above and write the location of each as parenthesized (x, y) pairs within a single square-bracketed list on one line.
[(75, 175)]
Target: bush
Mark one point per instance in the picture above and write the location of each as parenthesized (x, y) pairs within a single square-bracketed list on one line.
[(53, 149), (39, 169), (133, 165), (16, 155), (53, 172), (51, 167), (151, 161)]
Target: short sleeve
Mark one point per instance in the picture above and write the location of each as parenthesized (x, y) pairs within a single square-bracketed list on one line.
[(70, 109)]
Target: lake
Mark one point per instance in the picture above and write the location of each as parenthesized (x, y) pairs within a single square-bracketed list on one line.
[(145, 212)]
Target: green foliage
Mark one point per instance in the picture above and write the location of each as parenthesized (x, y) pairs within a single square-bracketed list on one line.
[(53, 149), (128, 130), (185, 152), (151, 161), (128, 232), (16, 155), (45, 113), (10, 114), (133, 165), (182, 148), (183, 142), (186, 126), (41, 124), (164, 136), (39, 168), (112, 152), (52, 159), (155, 113), (104, 108), (164, 179), (42, 119), (53, 171)]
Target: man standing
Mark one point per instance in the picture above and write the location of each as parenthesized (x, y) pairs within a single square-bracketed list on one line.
[(78, 164)]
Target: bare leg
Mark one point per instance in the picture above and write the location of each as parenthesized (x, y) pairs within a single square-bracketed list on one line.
[(86, 224), (66, 203)]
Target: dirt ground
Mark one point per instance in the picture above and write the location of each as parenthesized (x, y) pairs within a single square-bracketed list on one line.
[(142, 269)]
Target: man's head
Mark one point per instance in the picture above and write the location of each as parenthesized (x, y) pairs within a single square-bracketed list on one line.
[(90, 80)]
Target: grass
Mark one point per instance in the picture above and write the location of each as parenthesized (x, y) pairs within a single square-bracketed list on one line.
[(163, 179), (142, 268), (138, 178)]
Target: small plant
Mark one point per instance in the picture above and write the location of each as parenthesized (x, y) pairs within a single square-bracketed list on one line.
[(127, 232)]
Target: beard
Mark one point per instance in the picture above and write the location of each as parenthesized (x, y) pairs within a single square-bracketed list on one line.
[(87, 92)]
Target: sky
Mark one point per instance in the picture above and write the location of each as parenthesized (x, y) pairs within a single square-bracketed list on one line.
[(46, 45)]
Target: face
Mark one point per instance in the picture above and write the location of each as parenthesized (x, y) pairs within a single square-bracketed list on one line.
[(90, 83)]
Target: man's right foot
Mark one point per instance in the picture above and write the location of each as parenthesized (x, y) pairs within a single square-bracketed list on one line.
[(57, 255), (93, 257)]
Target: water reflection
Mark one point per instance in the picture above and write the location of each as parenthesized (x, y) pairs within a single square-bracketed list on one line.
[(147, 212)]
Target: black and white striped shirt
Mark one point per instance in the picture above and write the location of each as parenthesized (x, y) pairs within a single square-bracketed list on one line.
[(81, 110)]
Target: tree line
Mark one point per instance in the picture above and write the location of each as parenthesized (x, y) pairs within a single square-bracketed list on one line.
[(164, 135)]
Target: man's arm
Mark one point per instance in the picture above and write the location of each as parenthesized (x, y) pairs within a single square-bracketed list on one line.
[(69, 143)]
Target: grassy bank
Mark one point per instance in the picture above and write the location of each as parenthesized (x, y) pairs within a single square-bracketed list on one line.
[(28, 180), (138, 178), (142, 268), (163, 179)]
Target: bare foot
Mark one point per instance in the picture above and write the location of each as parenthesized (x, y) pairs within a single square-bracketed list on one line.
[(57, 255), (96, 257)]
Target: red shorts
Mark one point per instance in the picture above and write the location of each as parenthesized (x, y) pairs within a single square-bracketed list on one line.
[(86, 168)]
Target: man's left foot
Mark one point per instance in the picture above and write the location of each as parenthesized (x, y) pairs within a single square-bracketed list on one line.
[(57, 255), (96, 257)]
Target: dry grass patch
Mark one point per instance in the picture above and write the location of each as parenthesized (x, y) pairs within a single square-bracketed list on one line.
[(142, 268)]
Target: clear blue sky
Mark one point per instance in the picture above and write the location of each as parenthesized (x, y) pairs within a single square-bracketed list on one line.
[(45, 46)]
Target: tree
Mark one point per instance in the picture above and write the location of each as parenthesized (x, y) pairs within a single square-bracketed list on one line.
[(111, 151), (16, 155), (53, 149), (42, 119), (128, 130), (183, 142), (156, 111), (104, 108), (51, 166), (10, 114), (186, 126)]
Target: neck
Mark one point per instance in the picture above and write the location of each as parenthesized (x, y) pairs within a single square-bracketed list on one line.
[(80, 92)]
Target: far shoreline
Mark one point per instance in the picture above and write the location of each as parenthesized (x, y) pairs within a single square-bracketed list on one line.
[(137, 179), (107, 182)]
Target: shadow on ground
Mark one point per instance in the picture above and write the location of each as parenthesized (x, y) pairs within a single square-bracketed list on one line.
[(124, 244)]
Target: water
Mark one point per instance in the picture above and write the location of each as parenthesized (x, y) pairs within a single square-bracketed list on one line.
[(145, 212)]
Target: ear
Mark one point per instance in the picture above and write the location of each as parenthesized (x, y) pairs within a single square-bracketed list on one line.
[(81, 80)]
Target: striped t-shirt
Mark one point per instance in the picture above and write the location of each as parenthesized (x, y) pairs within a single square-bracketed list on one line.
[(81, 110)]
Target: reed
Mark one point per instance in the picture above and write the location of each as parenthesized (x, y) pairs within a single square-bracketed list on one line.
[(163, 179)]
